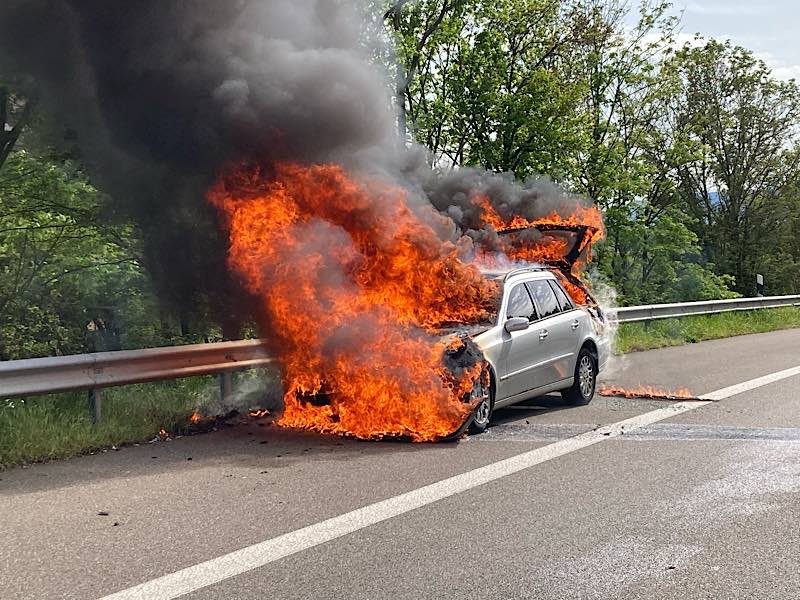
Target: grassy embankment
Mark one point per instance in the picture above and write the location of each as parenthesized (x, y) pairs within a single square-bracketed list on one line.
[(675, 332), (57, 426)]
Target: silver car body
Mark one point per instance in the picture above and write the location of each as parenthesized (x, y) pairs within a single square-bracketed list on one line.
[(540, 358)]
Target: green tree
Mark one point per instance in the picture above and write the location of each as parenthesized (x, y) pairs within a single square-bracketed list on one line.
[(56, 262), (744, 122), (778, 250), (568, 89), (485, 90), (653, 253)]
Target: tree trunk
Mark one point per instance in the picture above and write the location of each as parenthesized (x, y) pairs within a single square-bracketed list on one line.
[(9, 135)]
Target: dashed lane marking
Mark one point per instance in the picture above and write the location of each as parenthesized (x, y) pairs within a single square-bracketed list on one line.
[(751, 384)]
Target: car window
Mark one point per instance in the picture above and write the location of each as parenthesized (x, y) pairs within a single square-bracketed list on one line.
[(520, 304), (545, 297), (563, 300)]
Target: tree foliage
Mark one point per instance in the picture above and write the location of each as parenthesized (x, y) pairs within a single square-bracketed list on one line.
[(59, 268), (690, 153), (71, 281), (744, 124)]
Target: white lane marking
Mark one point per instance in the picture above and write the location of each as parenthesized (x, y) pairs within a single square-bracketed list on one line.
[(745, 386), (258, 555)]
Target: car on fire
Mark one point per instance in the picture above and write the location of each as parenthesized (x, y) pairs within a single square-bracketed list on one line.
[(543, 333), (541, 341)]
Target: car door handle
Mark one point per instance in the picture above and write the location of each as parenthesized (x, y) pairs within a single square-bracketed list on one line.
[(576, 324), (543, 334)]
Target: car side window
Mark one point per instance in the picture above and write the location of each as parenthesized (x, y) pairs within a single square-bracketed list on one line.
[(520, 303), (563, 300), (545, 298)]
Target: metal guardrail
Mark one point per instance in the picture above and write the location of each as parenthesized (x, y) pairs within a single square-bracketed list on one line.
[(95, 371), (105, 369), (650, 312)]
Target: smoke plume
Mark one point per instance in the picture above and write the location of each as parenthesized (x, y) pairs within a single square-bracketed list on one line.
[(254, 142), (164, 95)]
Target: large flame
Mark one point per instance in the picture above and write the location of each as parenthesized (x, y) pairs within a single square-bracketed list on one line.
[(589, 216), (351, 283)]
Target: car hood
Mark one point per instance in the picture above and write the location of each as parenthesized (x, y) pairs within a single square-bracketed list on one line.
[(469, 331)]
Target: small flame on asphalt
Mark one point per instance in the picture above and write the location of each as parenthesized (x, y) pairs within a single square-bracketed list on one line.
[(648, 392)]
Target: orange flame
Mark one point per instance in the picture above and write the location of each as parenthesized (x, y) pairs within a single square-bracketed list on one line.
[(195, 418), (546, 249), (581, 215), (575, 292), (350, 282), (649, 392)]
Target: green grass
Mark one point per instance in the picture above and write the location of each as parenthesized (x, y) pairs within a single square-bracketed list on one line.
[(59, 425), (675, 332)]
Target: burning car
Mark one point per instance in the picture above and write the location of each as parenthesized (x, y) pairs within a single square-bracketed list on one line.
[(542, 338), (541, 341), (356, 286)]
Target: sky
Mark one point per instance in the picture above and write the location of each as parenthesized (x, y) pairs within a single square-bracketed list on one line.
[(770, 28)]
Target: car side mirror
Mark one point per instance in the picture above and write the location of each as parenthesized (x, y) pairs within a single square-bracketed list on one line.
[(517, 324)]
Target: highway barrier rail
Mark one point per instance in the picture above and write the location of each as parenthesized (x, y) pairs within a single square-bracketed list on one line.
[(650, 312), (95, 371)]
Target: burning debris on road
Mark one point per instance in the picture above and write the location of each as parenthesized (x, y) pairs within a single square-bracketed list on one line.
[(350, 251), (648, 393), (198, 423)]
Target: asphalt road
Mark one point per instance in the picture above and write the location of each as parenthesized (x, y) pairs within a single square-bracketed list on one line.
[(618, 499)]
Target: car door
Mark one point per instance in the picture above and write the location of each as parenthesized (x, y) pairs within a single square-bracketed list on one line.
[(578, 323), (556, 332), (520, 348)]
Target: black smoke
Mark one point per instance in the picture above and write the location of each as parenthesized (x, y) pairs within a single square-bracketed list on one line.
[(164, 94), (191, 83)]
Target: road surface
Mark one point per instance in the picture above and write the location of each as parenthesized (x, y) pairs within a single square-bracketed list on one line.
[(618, 499)]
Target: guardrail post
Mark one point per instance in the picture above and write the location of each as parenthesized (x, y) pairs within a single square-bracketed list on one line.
[(95, 405), (225, 387)]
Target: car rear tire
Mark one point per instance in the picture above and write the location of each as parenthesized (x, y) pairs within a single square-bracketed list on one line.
[(482, 415), (583, 388)]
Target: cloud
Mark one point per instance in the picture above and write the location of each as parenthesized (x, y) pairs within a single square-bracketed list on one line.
[(780, 69), (729, 9)]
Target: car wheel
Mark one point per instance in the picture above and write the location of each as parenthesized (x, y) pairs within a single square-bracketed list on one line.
[(582, 390), (482, 415)]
